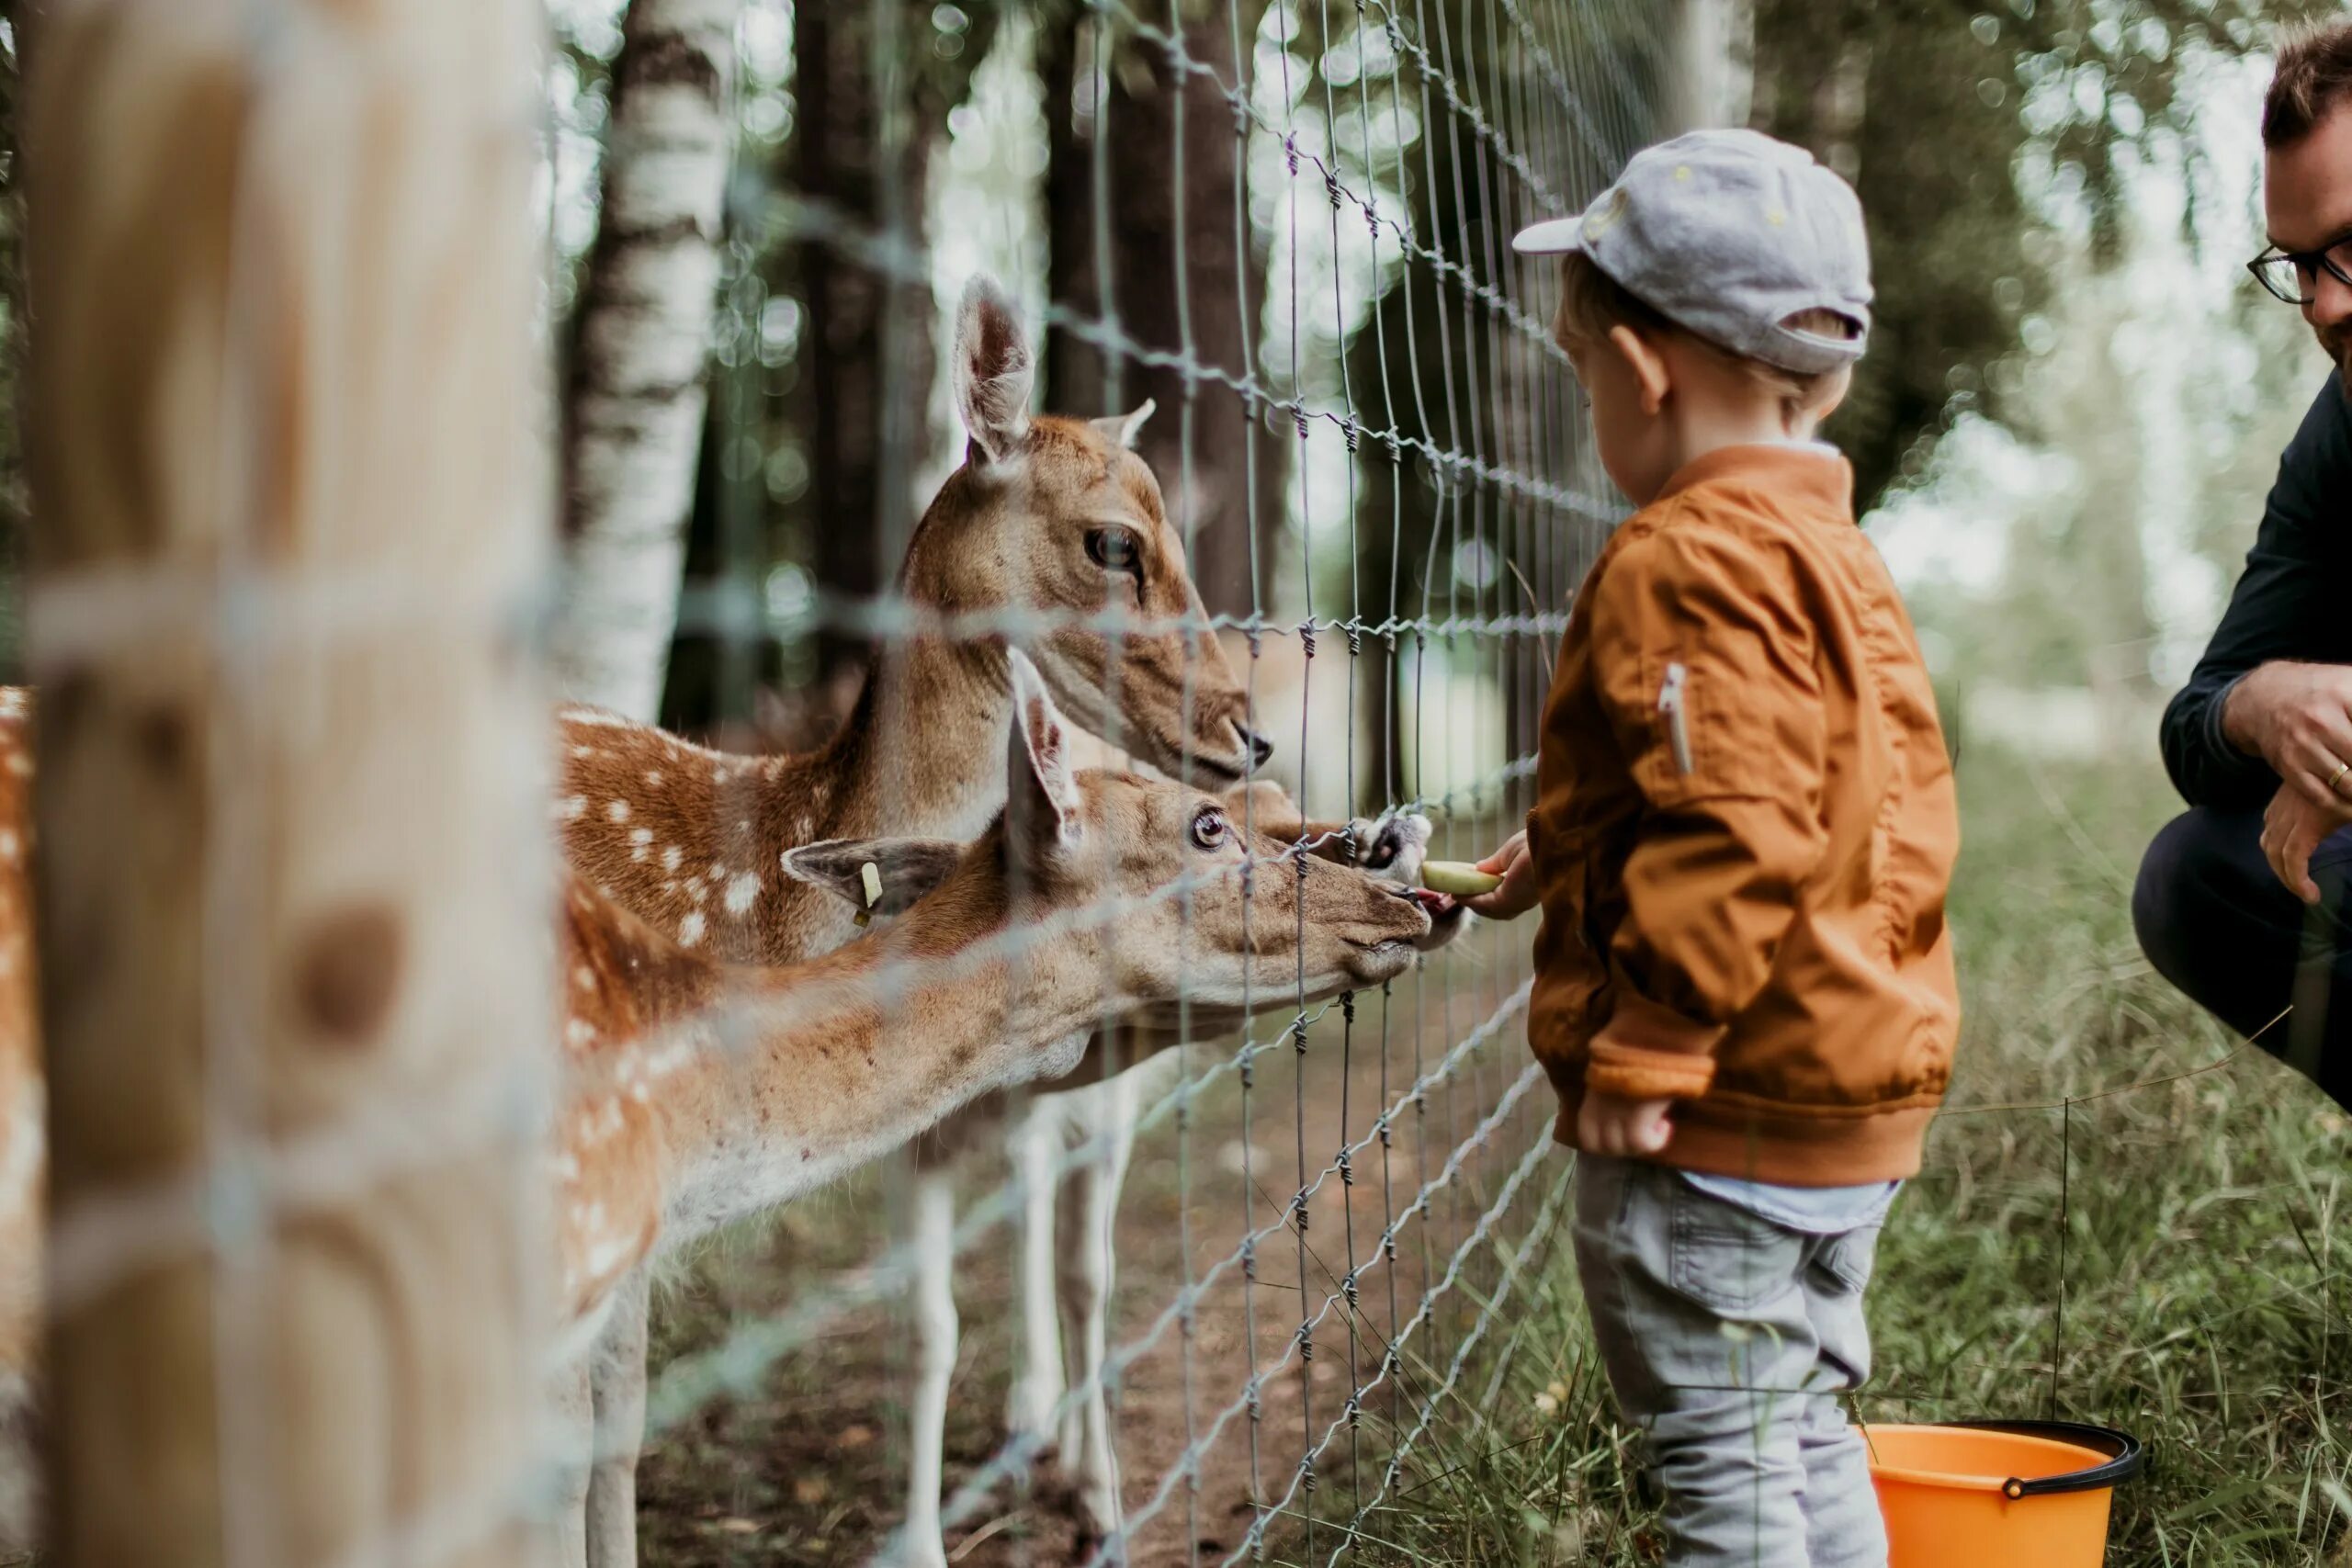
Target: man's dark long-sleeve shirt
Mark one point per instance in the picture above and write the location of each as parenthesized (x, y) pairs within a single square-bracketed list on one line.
[(2294, 601)]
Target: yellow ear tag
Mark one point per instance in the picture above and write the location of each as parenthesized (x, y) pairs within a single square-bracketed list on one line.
[(872, 876)]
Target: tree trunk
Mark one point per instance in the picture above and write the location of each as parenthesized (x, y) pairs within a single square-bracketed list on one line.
[(634, 406), (1236, 471), (869, 357), (293, 901)]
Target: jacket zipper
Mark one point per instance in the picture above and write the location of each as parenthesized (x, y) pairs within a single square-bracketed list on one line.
[(1671, 704)]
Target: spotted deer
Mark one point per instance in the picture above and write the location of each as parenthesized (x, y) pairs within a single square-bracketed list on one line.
[(695, 1091), (1056, 518), (1052, 519), (1092, 896)]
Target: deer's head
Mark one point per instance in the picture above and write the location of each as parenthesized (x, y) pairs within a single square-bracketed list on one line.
[(1061, 518), (1142, 891)]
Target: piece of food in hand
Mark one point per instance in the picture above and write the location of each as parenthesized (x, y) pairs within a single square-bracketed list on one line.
[(1458, 877)]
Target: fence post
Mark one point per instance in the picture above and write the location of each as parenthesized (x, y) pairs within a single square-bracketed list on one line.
[(289, 504)]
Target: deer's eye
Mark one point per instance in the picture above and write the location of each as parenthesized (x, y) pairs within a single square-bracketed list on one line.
[(1210, 829), (1115, 549)]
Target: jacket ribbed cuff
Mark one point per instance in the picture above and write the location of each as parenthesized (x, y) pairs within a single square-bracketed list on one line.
[(1648, 1051)]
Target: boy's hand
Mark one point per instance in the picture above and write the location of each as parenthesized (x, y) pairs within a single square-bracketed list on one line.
[(1609, 1124), (1517, 895)]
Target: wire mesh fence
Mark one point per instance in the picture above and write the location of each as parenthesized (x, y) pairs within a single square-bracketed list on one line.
[(1223, 1293), (1373, 459)]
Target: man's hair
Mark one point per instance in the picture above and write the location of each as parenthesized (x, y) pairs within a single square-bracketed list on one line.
[(1592, 303), (2313, 78)]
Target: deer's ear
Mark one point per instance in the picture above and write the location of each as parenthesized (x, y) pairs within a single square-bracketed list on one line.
[(1125, 428), (993, 371), (1041, 812), (906, 868)]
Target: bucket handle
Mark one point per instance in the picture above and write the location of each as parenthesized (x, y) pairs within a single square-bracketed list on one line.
[(2125, 1459)]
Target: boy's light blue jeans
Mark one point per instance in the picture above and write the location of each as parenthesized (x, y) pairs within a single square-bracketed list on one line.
[(1728, 1340)]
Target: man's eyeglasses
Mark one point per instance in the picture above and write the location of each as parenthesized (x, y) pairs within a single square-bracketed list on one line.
[(2293, 275)]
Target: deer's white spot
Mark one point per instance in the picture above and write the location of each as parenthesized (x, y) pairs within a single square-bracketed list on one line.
[(580, 1032), (654, 778), (571, 806), (12, 701), (581, 751), (583, 976), (671, 857), (742, 824), (642, 839), (10, 848), (742, 892), (690, 930), (618, 810)]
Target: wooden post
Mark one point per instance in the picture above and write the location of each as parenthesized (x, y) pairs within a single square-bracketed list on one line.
[(291, 506)]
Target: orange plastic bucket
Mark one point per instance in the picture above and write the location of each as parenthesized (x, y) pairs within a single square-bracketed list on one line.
[(1990, 1494)]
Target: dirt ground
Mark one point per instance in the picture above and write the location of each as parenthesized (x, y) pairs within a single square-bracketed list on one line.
[(809, 1469)]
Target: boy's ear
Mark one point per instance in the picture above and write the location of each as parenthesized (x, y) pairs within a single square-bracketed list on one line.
[(1832, 394), (1648, 366), (907, 868)]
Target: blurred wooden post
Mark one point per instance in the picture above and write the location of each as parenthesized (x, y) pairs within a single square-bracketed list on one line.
[(290, 504)]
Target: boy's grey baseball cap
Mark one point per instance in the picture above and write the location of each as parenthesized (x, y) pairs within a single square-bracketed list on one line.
[(1729, 233)]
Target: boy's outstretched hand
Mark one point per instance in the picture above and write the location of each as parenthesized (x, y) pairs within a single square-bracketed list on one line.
[(1517, 895), (1610, 1124)]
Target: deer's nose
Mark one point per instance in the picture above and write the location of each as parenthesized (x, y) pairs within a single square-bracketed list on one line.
[(1260, 747)]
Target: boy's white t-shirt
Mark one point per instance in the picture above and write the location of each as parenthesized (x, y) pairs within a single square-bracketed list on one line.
[(1814, 1211)]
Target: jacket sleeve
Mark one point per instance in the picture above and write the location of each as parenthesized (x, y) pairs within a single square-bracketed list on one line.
[(1708, 674), (2278, 609)]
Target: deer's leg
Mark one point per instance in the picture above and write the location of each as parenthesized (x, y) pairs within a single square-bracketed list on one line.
[(573, 1409), (1037, 1380), (1083, 1281), (935, 1328), (616, 1394)]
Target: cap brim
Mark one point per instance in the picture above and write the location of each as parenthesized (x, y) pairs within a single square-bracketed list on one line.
[(1552, 237)]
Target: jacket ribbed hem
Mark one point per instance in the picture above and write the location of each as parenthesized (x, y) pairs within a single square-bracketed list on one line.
[(1789, 1148)]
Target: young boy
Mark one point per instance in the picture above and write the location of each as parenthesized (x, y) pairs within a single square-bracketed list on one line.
[(1744, 830)]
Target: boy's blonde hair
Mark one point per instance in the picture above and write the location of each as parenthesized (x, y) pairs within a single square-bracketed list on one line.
[(1592, 303)]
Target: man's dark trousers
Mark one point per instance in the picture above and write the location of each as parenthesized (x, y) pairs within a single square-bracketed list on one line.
[(2216, 921)]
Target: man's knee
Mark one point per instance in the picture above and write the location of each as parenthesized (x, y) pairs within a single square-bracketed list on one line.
[(2166, 903)]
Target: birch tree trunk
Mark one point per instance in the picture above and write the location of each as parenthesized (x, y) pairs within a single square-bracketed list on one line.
[(634, 406), (293, 894)]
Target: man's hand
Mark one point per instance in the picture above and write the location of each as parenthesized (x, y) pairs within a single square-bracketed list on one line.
[(2297, 718), (2291, 829), (1609, 1124), (1517, 895)]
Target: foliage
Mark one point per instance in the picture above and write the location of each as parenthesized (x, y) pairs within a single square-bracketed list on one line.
[(1932, 110)]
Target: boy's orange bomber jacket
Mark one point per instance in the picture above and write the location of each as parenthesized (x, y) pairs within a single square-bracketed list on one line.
[(1744, 829)]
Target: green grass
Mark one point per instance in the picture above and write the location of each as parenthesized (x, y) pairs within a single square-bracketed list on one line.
[(2197, 1243)]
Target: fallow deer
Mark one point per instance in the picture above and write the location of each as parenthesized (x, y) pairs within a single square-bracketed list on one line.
[(1055, 517), (705, 1092), (698, 1092), (1051, 518)]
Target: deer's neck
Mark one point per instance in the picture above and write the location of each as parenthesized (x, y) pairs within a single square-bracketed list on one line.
[(924, 752), (795, 1085)]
